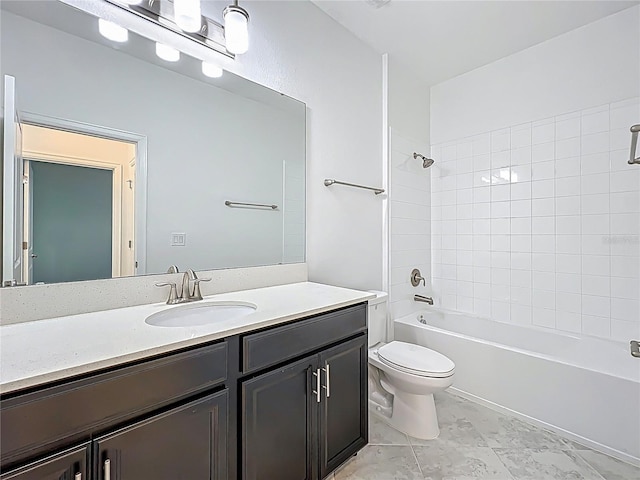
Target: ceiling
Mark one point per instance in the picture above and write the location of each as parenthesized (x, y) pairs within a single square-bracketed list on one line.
[(439, 40)]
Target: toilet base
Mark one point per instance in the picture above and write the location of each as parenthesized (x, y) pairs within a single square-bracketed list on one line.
[(415, 415)]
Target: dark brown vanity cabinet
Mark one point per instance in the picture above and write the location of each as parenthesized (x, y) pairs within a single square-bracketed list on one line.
[(285, 402), (302, 420)]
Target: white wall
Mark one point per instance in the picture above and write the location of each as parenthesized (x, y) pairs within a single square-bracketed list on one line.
[(410, 189), (535, 214)]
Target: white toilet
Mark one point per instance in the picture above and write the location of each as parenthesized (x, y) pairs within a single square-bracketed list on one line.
[(403, 377)]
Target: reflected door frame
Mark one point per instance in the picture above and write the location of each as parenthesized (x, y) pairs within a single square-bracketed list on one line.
[(140, 141)]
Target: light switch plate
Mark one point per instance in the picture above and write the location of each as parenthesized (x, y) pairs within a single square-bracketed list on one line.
[(178, 239)]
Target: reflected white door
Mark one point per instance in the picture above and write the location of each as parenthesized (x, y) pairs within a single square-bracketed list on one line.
[(12, 191)]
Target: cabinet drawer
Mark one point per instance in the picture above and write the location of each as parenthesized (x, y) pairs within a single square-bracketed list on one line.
[(37, 422), (279, 344)]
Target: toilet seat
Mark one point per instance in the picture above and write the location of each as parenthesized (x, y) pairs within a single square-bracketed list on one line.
[(416, 360)]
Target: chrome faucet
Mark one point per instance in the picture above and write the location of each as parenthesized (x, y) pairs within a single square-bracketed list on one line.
[(187, 293), (421, 298)]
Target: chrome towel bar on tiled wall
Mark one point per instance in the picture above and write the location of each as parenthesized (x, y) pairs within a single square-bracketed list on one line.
[(634, 142), (329, 182), (243, 204)]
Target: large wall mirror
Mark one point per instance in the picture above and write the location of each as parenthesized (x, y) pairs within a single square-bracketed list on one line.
[(119, 163)]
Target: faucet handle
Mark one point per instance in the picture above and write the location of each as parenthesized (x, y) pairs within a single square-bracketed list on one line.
[(197, 295), (173, 292)]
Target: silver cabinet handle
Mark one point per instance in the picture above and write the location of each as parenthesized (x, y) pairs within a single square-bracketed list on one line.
[(316, 391), (78, 476), (107, 469), (327, 386)]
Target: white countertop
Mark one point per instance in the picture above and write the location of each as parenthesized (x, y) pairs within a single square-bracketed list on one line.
[(32, 353)]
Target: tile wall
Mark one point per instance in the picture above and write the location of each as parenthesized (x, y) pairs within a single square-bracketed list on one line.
[(539, 223)]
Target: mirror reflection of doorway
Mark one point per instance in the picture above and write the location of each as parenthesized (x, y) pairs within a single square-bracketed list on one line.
[(78, 206)]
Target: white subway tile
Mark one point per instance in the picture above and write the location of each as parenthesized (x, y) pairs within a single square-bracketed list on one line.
[(544, 299), (500, 311), (542, 207), (568, 283), (520, 314), (543, 188), (482, 290), (625, 288), (618, 159), (543, 131), (521, 156), (500, 226), (464, 165), (625, 309), (568, 263), (521, 243), (521, 278), (449, 257), (500, 260), (501, 159), (596, 285), (595, 204), (521, 191), (464, 304), (545, 281), (622, 330), (625, 202), (568, 167), (544, 317), (569, 244), (594, 143), (521, 135), (481, 144), (520, 173), (569, 205), (544, 170), (624, 245), (568, 225), (596, 326), (481, 162), (464, 227), (482, 275), (595, 122), (567, 186), (500, 140), (594, 184), (464, 242), (567, 126), (482, 307), (482, 242), (596, 265), (482, 178), (543, 243), (521, 225), (543, 152), (544, 262), (464, 180), (500, 293), (481, 195), (449, 212), (569, 322), (500, 209), (464, 211), (596, 305), (545, 225), (625, 224), (623, 266), (500, 276), (481, 210), (449, 153), (481, 258), (521, 208), (464, 288), (569, 302), (464, 195), (448, 197), (500, 243), (624, 116), (594, 163), (449, 301), (521, 261), (595, 245), (570, 147), (481, 226), (595, 224), (464, 149), (500, 193)]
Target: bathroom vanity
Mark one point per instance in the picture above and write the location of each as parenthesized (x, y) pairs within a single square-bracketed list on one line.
[(280, 395)]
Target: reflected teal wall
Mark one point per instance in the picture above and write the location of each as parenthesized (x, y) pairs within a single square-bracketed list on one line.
[(72, 222)]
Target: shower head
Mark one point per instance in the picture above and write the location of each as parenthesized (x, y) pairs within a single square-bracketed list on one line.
[(426, 162)]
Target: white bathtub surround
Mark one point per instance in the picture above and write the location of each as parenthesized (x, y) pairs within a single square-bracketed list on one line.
[(536, 213), (410, 223), (39, 351), (585, 388)]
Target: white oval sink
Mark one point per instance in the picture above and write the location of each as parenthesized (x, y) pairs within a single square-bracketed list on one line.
[(197, 314)]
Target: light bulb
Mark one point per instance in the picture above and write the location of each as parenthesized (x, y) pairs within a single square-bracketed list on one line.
[(167, 53), (236, 29), (211, 70), (187, 15), (112, 31)]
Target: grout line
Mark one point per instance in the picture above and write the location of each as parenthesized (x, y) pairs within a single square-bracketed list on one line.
[(589, 466), (415, 457)]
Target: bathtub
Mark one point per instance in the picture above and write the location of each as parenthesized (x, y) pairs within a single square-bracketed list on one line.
[(584, 388)]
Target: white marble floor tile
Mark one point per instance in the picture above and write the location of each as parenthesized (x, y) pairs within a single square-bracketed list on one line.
[(610, 468), (378, 462), (446, 462), (545, 464), (381, 433)]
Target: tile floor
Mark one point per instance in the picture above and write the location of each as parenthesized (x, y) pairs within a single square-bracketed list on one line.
[(478, 443)]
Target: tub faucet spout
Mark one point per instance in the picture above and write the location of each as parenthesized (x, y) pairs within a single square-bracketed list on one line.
[(421, 298)]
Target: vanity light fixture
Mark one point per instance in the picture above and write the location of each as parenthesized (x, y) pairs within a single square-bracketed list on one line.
[(167, 53), (236, 28), (187, 15), (111, 31), (211, 70)]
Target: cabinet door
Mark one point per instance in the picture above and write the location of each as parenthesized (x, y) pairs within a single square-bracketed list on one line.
[(185, 443), (343, 411), (69, 465), (278, 423)]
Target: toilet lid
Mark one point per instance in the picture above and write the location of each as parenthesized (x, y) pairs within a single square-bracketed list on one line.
[(416, 360)]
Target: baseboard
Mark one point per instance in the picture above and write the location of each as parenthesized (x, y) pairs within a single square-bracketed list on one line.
[(625, 457)]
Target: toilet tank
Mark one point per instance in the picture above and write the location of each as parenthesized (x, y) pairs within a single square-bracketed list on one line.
[(377, 318)]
